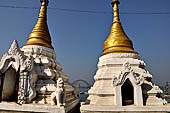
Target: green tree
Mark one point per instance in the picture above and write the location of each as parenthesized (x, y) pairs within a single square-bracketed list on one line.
[(166, 88)]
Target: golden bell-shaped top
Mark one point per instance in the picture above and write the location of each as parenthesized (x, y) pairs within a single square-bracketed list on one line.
[(40, 34), (117, 41)]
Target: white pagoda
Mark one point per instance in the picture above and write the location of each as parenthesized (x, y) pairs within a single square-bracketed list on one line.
[(121, 82), (31, 77)]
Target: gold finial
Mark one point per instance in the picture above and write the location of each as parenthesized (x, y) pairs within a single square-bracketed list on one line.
[(117, 41), (115, 10), (40, 34)]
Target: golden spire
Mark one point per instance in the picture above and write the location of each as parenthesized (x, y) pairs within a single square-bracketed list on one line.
[(40, 34), (117, 41)]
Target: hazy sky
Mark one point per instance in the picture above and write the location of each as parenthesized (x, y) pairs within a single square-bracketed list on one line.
[(78, 37)]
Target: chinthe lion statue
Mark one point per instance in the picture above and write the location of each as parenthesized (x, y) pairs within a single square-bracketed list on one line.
[(58, 97)]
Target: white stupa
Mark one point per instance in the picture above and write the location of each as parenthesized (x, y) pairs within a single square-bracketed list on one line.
[(32, 77), (121, 82)]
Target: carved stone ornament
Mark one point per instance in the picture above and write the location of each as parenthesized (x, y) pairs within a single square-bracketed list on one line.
[(121, 55), (58, 97), (24, 65), (128, 73)]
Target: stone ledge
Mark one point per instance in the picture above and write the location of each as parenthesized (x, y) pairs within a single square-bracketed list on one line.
[(28, 108), (103, 109), (31, 108)]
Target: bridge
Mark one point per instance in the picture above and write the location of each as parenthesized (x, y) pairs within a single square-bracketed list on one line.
[(86, 84)]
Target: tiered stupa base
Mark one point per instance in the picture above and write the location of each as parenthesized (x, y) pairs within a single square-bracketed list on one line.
[(123, 84), (48, 71)]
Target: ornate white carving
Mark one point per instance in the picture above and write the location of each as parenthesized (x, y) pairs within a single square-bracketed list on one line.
[(39, 50), (22, 88), (121, 55), (58, 97), (32, 77), (24, 64), (116, 81), (127, 71), (155, 94), (155, 90), (145, 73)]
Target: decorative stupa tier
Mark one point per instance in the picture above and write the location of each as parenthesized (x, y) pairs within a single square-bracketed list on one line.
[(121, 78)]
